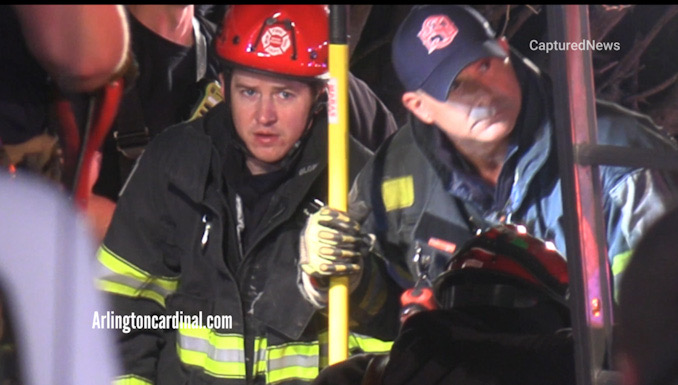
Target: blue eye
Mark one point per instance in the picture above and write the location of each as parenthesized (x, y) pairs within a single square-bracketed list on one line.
[(285, 94)]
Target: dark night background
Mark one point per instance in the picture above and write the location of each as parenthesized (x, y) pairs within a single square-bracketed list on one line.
[(641, 75)]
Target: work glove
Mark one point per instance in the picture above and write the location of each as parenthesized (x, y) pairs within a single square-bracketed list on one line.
[(331, 244)]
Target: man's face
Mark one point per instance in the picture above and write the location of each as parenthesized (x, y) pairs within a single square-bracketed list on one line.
[(270, 113), (483, 104)]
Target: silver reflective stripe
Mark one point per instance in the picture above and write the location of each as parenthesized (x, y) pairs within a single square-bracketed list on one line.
[(197, 344), (118, 276), (293, 360), (218, 355), (260, 356), (107, 274)]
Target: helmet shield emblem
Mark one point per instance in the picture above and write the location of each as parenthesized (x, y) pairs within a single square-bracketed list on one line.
[(275, 41)]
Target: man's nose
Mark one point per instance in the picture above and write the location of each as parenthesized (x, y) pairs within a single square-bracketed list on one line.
[(477, 92), (267, 111)]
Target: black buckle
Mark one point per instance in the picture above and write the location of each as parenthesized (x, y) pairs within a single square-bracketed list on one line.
[(132, 144)]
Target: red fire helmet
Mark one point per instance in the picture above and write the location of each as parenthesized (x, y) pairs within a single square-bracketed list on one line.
[(512, 264), (289, 40)]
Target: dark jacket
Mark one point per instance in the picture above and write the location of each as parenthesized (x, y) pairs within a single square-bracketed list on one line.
[(168, 250), (419, 187)]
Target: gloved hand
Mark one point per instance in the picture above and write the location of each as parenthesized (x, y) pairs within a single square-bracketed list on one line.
[(332, 244)]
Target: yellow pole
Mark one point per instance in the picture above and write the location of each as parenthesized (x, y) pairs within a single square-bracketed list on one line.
[(337, 150)]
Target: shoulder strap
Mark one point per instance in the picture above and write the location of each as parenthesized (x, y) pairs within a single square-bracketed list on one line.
[(131, 134)]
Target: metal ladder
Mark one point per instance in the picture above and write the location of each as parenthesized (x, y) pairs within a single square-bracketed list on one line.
[(592, 300)]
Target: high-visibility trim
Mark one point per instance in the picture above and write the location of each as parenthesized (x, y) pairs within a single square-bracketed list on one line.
[(356, 341), (260, 356), (295, 360), (131, 379), (620, 261), (223, 355), (118, 276), (323, 351), (219, 355), (368, 344), (398, 193)]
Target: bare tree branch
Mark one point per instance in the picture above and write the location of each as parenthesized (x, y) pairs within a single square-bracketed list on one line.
[(654, 90), (630, 62), (524, 14), (604, 19)]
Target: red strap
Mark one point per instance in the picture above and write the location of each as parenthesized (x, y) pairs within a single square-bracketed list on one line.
[(107, 109)]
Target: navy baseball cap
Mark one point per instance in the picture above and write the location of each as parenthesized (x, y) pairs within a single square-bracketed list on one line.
[(435, 42)]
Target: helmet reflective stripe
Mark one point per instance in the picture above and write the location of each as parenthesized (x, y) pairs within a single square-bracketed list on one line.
[(118, 276), (131, 380), (219, 355)]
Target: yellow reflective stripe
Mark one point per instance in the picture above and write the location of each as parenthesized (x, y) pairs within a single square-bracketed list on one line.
[(308, 374), (398, 193), (295, 360), (260, 356), (218, 340), (355, 341), (127, 291), (368, 344), (620, 261), (219, 355), (323, 342), (118, 276), (131, 380)]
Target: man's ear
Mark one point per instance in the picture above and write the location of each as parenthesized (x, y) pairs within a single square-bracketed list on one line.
[(503, 43), (225, 89), (415, 103)]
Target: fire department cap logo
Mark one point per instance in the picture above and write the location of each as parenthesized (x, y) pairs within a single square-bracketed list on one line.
[(437, 32), (276, 41)]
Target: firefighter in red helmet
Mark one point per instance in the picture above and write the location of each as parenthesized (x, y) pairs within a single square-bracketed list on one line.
[(208, 224)]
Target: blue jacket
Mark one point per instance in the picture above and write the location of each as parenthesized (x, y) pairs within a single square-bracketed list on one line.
[(418, 192)]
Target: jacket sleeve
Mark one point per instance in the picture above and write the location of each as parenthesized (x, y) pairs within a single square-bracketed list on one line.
[(377, 298), (632, 206), (135, 267)]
